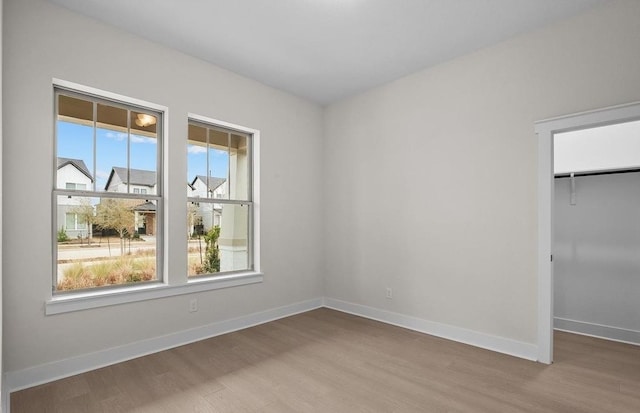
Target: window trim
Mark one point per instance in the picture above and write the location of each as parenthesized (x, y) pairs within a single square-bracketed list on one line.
[(84, 300), (61, 87), (253, 244), (88, 299)]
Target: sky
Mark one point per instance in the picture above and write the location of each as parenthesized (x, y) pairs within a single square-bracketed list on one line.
[(76, 141), (197, 162)]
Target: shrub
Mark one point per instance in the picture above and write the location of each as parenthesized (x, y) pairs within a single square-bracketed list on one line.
[(212, 255), (62, 235)]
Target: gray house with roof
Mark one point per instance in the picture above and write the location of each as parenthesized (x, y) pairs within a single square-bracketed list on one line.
[(139, 180), (216, 187), (136, 181)]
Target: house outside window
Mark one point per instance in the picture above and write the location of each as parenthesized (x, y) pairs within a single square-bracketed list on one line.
[(107, 153), (220, 199)]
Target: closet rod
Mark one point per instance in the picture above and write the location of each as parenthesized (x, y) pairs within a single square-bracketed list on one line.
[(576, 174)]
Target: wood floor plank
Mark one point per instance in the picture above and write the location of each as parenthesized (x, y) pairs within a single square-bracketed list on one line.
[(328, 361)]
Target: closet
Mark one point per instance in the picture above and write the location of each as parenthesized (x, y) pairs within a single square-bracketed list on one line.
[(596, 251)]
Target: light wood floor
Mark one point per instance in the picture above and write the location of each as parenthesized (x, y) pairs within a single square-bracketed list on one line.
[(327, 361)]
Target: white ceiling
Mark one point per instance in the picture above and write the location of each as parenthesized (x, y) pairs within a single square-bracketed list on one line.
[(326, 50)]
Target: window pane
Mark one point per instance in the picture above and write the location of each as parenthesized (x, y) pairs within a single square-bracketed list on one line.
[(196, 153), (144, 156), (199, 223), (207, 162), (74, 133), (70, 221), (111, 149), (239, 167), (218, 155), (75, 110), (121, 233), (218, 238)]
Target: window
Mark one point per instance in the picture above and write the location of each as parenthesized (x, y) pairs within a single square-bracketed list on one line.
[(72, 185), (74, 222), (220, 207), (108, 200), (103, 148)]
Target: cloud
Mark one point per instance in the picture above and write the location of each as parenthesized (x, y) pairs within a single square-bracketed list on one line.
[(102, 174), (119, 136), (195, 149), (142, 139)]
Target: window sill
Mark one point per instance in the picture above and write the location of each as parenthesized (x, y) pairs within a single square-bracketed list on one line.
[(83, 301)]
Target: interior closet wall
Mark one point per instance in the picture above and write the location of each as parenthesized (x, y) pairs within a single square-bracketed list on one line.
[(597, 256)]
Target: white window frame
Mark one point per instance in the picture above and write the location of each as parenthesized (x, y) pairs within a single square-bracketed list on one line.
[(253, 243), (98, 97), (174, 285)]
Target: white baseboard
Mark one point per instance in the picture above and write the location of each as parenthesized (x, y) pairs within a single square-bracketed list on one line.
[(597, 330), (462, 335), (44, 373)]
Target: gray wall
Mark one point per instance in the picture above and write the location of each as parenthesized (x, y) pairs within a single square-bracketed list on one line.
[(597, 256), (433, 177), (44, 41), (429, 181)]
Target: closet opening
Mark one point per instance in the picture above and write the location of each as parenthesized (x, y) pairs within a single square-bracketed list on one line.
[(589, 225), (596, 232)]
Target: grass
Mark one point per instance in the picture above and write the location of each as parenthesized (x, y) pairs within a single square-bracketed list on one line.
[(122, 270)]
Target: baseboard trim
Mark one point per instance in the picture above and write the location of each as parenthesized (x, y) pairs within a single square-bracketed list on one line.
[(462, 335), (605, 332), (44, 373)]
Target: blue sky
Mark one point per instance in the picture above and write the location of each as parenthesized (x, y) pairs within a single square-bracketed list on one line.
[(197, 162), (76, 141)]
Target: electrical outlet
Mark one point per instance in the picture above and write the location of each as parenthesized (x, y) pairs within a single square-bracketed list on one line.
[(193, 305), (389, 293)]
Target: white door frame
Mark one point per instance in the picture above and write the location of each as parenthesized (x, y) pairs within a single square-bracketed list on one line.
[(546, 129)]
